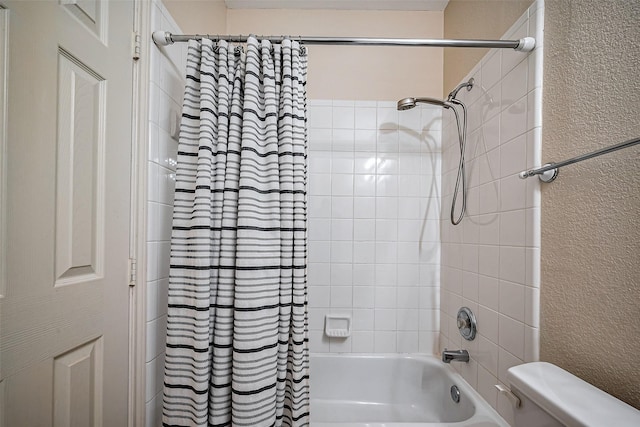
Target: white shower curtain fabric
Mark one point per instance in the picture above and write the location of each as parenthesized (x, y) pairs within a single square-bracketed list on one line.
[(237, 329)]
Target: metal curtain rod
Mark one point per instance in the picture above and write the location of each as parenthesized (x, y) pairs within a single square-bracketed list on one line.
[(164, 38), (549, 172)]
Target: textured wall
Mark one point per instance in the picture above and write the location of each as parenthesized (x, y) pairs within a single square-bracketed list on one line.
[(591, 215), (199, 16), (475, 19)]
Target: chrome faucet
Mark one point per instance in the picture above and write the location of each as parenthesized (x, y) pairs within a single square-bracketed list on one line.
[(455, 355)]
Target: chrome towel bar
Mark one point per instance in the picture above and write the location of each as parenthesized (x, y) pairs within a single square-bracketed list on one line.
[(549, 172)]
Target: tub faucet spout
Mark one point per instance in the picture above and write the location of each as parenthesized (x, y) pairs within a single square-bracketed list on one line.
[(455, 355)]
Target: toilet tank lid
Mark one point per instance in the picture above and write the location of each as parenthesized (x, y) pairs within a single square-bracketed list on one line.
[(571, 400)]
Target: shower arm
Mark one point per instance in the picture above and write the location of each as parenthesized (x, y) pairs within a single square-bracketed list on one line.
[(527, 44)]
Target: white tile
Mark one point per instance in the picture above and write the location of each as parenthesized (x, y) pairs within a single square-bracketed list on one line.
[(532, 267), (340, 345), (409, 164), (343, 118), (341, 297), (342, 229), (319, 162), (152, 301), (387, 207), (506, 360), (364, 229), (364, 207), (408, 319), (365, 163), (385, 319), (342, 140), (491, 70), (489, 261), (320, 184), (363, 297), (409, 208), (342, 185), (388, 141), (342, 207), (489, 229), (431, 117), (387, 164), (512, 228), (386, 274), (487, 355), (320, 140), (513, 193), (409, 252), (385, 297), (364, 252), (152, 261), (153, 191), (532, 306), (341, 274), (414, 185), (408, 274), (342, 162), (362, 342), (407, 342), (531, 344), (490, 198), (428, 342), (511, 58), (319, 229), (410, 119), (342, 251), (318, 274), (320, 296), (319, 251), (318, 342), (489, 292), (387, 118), (512, 300), (364, 185), (363, 320), (513, 121), (470, 286), (163, 296), (320, 117), (386, 252), (363, 274), (429, 319), (365, 118), (470, 258), (409, 230), (385, 341), (164, 261), (319, 207), (469, 372), (512, 264), (514, 84), (408, 297), (365, 140), (511, 336), (386, 230), (486, 386), (429, 298)]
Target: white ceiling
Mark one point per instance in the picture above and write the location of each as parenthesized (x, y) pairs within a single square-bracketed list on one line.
[(429, 5)]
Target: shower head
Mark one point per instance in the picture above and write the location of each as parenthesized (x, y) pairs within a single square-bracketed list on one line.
[(467, 84), (409, 103)]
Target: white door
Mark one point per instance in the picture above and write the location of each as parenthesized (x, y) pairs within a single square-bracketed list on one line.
[(65, 304)]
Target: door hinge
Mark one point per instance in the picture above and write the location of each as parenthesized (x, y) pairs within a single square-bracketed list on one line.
[(136, 45), (133, 271)]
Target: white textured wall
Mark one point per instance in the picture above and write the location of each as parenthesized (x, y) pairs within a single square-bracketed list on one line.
[(374, 246), (165, 100), (490, 262), (591, 213)]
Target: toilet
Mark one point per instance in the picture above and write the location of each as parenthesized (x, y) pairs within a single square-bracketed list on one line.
[(551, 396)]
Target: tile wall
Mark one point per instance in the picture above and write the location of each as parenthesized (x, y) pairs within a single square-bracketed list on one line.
[(374, 244), (491, 262), (165, 100)]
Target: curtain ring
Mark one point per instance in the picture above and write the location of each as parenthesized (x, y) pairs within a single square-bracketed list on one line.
[(238, 50)]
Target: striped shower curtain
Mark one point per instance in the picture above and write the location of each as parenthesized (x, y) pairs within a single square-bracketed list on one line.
[(237, 346)]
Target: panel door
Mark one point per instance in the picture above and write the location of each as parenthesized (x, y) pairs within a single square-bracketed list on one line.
[(64, 310)]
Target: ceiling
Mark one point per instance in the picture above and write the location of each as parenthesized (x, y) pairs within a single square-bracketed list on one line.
[(428, 5)]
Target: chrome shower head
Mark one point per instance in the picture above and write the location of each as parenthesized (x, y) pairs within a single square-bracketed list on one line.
[(409, 103)]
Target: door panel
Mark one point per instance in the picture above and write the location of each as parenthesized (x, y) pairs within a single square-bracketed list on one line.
[(64, 314)]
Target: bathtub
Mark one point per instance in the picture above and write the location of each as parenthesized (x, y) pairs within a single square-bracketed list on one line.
[(392, 390)]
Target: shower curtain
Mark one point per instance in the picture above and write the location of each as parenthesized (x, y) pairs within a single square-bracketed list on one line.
[(237, 345)]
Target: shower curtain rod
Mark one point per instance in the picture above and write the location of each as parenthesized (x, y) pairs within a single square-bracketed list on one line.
[(164, 38)]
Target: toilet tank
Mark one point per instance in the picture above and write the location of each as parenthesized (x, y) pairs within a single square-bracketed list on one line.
[(553, 397)]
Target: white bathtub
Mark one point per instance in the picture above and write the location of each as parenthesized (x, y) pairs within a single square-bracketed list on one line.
[(392, 390)]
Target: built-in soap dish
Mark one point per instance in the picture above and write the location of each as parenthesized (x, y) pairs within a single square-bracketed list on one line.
[(337, 325)]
